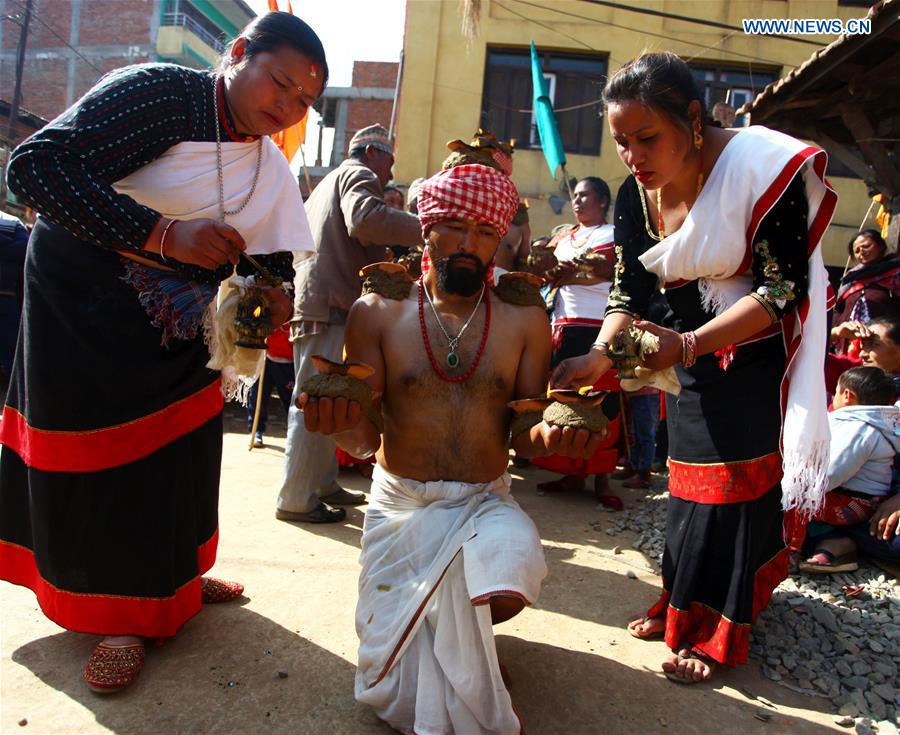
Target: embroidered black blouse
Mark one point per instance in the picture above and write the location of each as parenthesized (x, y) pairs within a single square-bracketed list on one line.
[(779, 263), (131, 117)]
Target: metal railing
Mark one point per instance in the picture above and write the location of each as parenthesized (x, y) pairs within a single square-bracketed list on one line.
[(181, 19)]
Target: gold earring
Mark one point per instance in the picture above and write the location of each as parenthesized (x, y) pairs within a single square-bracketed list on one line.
[(698, 140)]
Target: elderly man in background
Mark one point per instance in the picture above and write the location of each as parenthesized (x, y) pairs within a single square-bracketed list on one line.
[(351, 225)]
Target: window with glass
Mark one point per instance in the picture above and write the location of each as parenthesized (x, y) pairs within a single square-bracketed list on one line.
[(734, 85), (575, 83)]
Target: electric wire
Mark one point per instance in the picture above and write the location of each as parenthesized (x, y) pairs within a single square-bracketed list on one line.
[(40, 20)]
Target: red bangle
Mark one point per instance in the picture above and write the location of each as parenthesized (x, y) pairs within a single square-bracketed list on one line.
[(162, 240), (688, 349)]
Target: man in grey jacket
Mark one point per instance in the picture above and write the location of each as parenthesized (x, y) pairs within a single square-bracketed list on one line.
[(352, 226)]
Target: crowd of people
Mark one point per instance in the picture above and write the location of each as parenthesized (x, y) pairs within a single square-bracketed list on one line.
[(109, 507)]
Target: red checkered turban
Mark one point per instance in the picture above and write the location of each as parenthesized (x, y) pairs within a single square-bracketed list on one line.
[(469, 192)]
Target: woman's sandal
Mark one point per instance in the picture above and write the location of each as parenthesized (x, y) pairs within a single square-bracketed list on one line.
[(824, 562), (218, 590), (111, 669), (652, 635), (696, 656)]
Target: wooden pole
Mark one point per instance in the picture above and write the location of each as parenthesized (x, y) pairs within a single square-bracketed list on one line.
[(260, 397), (309, 187), (20, 67), (568, 183)]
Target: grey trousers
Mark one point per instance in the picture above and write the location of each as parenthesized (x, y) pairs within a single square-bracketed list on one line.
[(310, 465)]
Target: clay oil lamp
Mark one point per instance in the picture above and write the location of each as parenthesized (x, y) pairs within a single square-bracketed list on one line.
[(521, 289), (541, 260), (391, 280), (344, 380), (562, 407)]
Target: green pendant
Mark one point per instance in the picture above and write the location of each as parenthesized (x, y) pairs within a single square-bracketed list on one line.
[(452, 359)]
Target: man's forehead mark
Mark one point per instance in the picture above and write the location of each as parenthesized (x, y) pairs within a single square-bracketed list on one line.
[(635, 132), (463, 221)]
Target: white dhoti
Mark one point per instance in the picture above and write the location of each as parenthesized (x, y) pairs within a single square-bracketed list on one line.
[(433, 554)]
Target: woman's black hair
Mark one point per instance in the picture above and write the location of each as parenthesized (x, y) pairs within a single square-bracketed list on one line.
[(871, 233), (601, 189), (661, 81), (273, 30)]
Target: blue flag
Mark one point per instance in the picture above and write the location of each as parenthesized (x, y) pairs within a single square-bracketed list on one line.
[(551, 143)]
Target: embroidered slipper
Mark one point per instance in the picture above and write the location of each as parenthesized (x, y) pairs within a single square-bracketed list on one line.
[(218, 590), (111, 669), (824, 562), (654, 635), (696, 656), (613, 502)]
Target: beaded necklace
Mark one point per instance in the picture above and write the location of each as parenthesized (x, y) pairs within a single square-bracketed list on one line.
[(434, 366), (660, 226)]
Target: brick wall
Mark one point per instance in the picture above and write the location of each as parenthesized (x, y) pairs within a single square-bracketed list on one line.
[(110, 34), (375, 74), (120, 22), (361, 113)]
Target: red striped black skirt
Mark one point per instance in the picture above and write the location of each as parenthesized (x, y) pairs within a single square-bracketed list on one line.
[(726, 548), (111, 451)]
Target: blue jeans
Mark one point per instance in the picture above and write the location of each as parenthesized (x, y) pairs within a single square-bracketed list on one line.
[(644, 420), (279, 374), (865, 543)]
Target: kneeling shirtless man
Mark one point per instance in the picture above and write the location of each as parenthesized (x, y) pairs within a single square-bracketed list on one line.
[(446, 551)]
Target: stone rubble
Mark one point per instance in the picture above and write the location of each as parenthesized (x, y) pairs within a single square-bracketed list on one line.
[(812, 638)]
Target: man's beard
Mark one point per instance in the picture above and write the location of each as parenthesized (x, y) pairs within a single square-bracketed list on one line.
[(459, 280)]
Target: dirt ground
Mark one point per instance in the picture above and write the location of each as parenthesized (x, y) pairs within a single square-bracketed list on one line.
[(282, 659)]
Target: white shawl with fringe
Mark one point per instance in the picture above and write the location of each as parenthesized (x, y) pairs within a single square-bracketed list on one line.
[(183, 184), (714, 245)]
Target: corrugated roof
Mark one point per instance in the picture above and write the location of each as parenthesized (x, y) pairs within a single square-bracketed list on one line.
[(882, 15)]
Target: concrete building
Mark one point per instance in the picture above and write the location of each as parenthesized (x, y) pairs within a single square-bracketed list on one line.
[(451, 85), (369, 100), (72, 43)]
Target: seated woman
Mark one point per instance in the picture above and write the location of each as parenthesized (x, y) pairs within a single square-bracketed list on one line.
[(867, 289)]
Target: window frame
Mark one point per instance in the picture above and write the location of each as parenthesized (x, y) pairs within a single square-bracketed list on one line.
[(500, 118)]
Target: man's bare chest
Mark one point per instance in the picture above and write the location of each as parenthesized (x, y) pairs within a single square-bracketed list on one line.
[(412, 376)]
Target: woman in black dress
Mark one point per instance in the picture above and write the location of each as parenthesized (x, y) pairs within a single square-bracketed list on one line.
[(727, 223), (112, 428)]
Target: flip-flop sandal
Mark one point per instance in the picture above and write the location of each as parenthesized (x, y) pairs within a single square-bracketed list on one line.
[(824, 562), (673, 677), (655, 635)]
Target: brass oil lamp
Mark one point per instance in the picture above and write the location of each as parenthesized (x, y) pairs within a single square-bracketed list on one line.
[(253, 316)]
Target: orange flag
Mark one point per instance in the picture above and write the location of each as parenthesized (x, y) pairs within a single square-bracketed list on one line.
[(290, 139)]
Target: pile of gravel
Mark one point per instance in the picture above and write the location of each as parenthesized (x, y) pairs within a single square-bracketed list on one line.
[(814, 638), (648, 524)]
